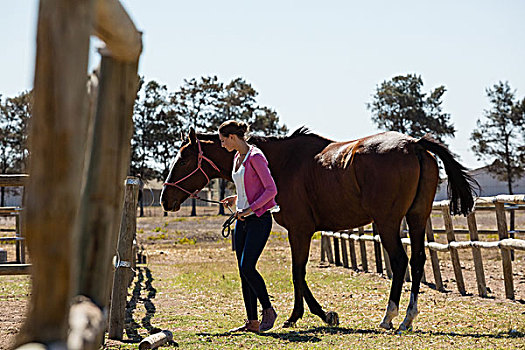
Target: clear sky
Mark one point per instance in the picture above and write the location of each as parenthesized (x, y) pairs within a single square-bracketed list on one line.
[(317, 63)]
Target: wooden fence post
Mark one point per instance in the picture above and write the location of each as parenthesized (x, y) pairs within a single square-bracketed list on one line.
[(102, 200), (328, 248), (449, 228), (377, 251), (20, 246), (434, 257), (344, 251), (362, 247), (58, 135), (123, 273), (323, 248), (351, 242), (476, 255), (337, 255), (403, 234), (505, 253)]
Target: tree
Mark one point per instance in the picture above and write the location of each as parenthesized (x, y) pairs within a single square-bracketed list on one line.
[(197, 103), (15, 113), (399, 105), (150, 105), (500, 136), (266, 122)]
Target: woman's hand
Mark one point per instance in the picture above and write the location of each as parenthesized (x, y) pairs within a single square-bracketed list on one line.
[(229, 201), (242, 213)]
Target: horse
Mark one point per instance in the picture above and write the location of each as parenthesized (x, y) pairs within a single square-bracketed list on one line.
[(324, 185)]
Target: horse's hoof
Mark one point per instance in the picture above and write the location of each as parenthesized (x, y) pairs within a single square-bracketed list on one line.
[(332, 318), (288, 324), (404, 328), (386, 325)]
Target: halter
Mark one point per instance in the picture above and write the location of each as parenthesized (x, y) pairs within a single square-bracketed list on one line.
[(199, 167), (226, 229)]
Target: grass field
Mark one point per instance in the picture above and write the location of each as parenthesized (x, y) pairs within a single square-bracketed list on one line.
[(193, 290), (190, 286)]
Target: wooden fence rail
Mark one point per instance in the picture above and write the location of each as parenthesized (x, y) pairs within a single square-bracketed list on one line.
[(504, 244)]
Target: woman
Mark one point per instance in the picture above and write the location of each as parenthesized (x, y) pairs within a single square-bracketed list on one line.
[(255, 197)]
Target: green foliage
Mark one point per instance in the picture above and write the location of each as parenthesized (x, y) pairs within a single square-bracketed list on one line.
[(500, 135), (155, 132), (160, 236), (179, 219), (15, 113), (238, 101), (198, 102), (400, 105), (186, 240)]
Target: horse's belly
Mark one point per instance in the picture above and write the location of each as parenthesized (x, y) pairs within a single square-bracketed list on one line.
[(344, 217)]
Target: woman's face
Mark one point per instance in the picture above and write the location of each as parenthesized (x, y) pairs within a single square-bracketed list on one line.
[(227, 142)]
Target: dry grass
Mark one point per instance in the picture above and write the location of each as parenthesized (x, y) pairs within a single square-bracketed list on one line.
[(197, 295)]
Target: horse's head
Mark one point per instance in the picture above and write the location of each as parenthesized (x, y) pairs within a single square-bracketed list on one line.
[(191, 170)]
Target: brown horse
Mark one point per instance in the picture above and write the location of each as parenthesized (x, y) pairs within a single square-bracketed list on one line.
[(332, 186)]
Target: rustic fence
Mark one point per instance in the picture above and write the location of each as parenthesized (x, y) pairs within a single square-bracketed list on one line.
[(505, 244), (79, 157), (19, 266)]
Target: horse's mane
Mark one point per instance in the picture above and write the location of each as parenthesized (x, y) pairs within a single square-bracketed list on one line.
[(302, 131)]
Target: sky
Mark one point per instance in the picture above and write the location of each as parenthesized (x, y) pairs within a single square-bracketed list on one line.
[(317, 63)]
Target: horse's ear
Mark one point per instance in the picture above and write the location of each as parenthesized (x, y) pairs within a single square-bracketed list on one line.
[(192, 136)]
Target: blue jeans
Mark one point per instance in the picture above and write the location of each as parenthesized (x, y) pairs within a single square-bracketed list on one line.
[(250, 237)]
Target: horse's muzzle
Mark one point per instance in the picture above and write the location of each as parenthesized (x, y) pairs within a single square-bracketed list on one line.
[(173, 208)]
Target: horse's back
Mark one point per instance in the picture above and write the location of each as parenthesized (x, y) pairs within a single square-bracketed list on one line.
[(376, 176)]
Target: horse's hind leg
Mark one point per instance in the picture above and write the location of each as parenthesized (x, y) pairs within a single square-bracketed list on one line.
[(391, 241), (416, 225), (417, 217)]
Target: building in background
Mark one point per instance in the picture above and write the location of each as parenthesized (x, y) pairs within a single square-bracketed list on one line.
[(490, 185)]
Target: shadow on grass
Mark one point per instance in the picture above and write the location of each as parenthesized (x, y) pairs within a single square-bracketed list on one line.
[(499, 335), (314, 335), (132, 327)]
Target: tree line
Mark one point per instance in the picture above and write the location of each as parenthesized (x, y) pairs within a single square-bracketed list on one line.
[(161, 118)]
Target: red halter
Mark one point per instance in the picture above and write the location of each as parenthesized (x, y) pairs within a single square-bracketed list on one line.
[(199, 167)]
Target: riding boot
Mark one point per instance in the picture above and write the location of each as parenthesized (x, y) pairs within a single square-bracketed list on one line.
[(268, 319), (249, 326)]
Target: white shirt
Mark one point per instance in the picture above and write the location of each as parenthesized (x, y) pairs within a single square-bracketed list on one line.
[(238, 179)]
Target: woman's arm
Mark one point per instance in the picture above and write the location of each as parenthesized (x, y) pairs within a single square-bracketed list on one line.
[(260, 165)]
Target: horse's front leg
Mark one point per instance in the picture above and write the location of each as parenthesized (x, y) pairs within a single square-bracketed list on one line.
[(300, 245), (331, 317), (299, 258)]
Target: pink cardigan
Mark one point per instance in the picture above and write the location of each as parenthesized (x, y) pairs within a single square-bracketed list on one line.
[(258, 182)]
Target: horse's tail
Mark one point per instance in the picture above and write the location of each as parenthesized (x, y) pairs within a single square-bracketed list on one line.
[(460, 184)]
